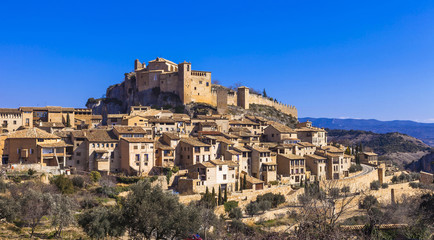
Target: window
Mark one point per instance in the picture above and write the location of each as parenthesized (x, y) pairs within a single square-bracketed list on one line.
[(78, 154), (207, 84), (224, 176), (111, 145), (200, 82), (220, 168), (31, 151), (136, 147), (145, 157), (137, 157), (15, 122)]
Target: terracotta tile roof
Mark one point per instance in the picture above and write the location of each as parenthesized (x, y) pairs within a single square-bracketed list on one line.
[(194, 142), (172, 136), (253, 180), (241, 149), (100, 135), (370, 153), (10, 110), (208, 124), (282, 128), (162, 146), (314, 156), (129, 129), (260, 149), (242, 122), (312, 129), (305, 144), (54, 145), (137, 140), (291, 156), (32, 133), (160, 120)]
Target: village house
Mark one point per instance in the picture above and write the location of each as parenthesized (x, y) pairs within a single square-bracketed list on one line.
[(263, 164), (291, 167), (10, 120), (280, 133), (102, 151), (368, 157), (137, 155), (211, 174), (35, 146), (115, 119), (307, 133), (191, 151), (317, 166)]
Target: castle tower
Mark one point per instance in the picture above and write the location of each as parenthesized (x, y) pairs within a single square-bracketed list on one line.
[(243, 97), (222, 101), (137, 65), (184, 77)]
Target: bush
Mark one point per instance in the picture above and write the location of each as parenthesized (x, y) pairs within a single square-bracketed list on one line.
[(230, 205), (334, 192), (273, 182), (78, 181), (355, 168), (384, 185), (236, 213), (274, 199), (30, 172), (264, 205), (395, 179), (415, 185), (63, 183), (375, 185), (130, 180), (252, 208), (88, 202), (345, 189), (175, 169), (95, 176), (3, 186)]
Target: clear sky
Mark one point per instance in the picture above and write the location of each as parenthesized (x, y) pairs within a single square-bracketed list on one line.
[(355, 59)]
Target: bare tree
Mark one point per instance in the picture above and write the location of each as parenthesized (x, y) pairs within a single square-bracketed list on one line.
[(321, 209)]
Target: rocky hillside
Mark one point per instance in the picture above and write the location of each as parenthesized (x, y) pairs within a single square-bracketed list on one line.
[(425, 163), (400, 148), (120, 97), (422, 131)]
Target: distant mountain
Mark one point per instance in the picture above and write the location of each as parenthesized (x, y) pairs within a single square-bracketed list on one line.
[(422, 131)]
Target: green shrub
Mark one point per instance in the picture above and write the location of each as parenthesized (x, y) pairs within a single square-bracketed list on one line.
[(175, 169), (375, 185), (130, 180), (236, 213), (252, 208), (334, 192), (63, 183), (230, 205), (153, 178), (274, 199), (395, 179), (78, 181), (95, 176), (355, 168), (415, 185), (30, 172), (345, 189), (264, 205), (274, 182), (384, 185)]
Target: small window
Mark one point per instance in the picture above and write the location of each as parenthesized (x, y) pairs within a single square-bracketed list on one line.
[(207, 84), (220, 168)]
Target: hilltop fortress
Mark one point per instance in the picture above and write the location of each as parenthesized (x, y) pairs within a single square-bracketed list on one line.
[(162, 80)]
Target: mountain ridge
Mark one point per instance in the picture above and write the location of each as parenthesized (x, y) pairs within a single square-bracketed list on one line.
[(422, 131)]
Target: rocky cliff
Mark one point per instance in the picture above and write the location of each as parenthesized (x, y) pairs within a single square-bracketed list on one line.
[(120, 97)]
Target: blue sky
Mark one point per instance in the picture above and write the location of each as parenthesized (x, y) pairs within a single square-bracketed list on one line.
[(365, 59)]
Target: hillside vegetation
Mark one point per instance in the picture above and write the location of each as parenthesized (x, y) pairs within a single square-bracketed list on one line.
[(397, 147)]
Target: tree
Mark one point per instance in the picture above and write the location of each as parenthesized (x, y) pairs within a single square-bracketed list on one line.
[(151, 212), (62, 212), (264, 205), (236, 213), (95, 176), (320, 212), (219, 199), (236, 186), (375, 185), (64, 184), (33, 205), (252, 208), (230, 205), (245, 182), (348, 151), (68, 120), (102, 222), (370, 204), (225, 196), (264, 94)]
